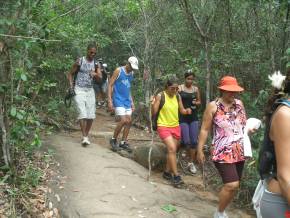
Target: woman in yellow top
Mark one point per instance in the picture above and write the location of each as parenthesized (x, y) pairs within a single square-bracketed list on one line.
[(168, 126)]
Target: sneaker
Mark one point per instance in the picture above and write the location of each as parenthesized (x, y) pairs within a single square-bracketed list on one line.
[(177, 180), (167, 175), (114, 144), (85, 141), (220, 215), (125, 146), (192, 168)]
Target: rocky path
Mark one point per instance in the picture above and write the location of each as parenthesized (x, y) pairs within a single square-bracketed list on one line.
[(96, 182)]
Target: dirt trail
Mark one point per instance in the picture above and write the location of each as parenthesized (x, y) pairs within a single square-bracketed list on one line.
[(96, 182)]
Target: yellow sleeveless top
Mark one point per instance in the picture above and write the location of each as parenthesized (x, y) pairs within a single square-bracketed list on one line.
[(168, 115)]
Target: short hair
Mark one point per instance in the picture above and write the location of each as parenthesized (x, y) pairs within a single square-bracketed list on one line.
[(92, 45), (189, 73)]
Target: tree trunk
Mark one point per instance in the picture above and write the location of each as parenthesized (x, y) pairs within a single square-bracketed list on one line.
[(208, 73), (4, 69), (285, 36), (3, 141)]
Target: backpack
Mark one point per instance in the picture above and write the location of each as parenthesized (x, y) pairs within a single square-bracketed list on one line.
[(154, 118), (267, 159), (70, 93), (78, 69)]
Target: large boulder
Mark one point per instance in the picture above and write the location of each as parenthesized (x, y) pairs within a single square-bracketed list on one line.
[(158, 155)]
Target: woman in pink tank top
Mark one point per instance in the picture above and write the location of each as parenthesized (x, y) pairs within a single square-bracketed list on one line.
[(226, 117)]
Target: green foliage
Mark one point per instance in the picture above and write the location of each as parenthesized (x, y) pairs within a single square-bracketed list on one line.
[(248, 39)]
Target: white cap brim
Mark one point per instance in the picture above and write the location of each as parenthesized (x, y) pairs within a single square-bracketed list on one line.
[(135, 66)]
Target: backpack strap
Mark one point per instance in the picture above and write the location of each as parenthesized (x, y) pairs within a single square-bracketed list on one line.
[(77, 71), (284, 102), (162, 101)]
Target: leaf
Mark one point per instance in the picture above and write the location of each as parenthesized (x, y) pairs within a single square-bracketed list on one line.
[(19, 116), (23, 77), (288, 51), (13, 111), (288, 64)]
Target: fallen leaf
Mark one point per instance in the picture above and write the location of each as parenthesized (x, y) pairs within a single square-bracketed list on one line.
[(57, 197)]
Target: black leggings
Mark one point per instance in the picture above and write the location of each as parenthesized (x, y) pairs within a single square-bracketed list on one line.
[(230, 172)]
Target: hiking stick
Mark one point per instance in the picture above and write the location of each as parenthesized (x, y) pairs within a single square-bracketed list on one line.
[(203, 177), (152, 139), (149, 163)]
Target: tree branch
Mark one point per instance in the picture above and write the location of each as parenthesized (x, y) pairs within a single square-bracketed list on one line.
[(66, 13), (30, 37)]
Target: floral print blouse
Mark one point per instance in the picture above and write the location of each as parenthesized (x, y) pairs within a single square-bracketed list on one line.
[(228, 129)]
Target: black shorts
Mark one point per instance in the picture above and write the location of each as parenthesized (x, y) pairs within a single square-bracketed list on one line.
[(230, 172)]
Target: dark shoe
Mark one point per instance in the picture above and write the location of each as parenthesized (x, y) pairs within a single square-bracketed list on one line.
[(167, 175), (177, 181), (126, 147), (114, 145)]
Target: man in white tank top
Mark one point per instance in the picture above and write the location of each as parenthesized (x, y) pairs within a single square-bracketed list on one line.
[(81, 81)]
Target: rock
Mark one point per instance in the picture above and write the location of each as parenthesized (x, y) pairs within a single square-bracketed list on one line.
[(158, 155)]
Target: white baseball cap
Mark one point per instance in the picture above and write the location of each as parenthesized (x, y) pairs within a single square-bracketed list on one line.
[(134, 62)]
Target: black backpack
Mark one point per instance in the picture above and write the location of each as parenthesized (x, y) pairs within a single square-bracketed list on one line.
[(154, 118), (267, 159)]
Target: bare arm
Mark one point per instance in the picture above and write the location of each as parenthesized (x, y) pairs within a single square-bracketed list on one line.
[(205, 129), (132, 102), (72, 72), (110, 87), (181, 108), (280, 134), (155, 104), (98, 71), (198, 98)]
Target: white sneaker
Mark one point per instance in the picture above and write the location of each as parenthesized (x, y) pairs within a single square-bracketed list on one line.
[(86, 141), (220, 215), (192, 168)]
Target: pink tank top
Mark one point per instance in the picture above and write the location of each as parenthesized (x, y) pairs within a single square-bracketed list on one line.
[(228, 129)]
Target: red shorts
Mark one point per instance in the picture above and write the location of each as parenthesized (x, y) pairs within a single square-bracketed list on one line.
[(165, 132)]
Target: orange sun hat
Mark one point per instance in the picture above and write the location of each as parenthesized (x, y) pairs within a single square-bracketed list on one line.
[(229, 83)]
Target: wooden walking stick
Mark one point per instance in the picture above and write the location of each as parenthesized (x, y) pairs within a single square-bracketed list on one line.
[(152, 138), (203, 176)]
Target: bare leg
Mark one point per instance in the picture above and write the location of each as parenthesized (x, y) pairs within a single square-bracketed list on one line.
[(227, 194), (171, 145), (192, 154), (167, 167), (127, 127), (83, 126), (89, 123), (119, 126)]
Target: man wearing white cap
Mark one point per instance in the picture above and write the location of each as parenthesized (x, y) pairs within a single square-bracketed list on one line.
[(120, 100)]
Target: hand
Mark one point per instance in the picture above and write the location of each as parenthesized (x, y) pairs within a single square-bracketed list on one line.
[(93, 73), (71, 91), (133, 107), (110, 106), (200, 157), (152, 99), (251, 131), (188, 111)]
